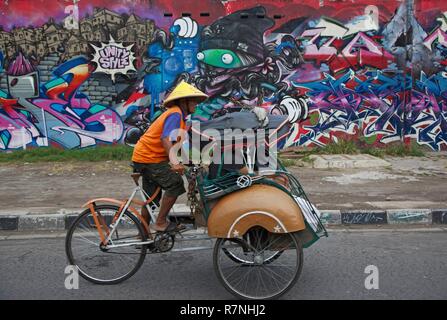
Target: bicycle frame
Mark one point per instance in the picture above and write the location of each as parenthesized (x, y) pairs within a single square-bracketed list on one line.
[(124, 206), (144, 197)]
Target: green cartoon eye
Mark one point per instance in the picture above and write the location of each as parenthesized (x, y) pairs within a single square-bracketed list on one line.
[(221, 58)]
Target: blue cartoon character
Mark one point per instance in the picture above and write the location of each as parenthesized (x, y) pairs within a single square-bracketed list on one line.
[(168, 59), (171, 56)]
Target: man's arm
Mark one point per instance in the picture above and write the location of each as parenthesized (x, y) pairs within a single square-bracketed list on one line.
[(169, 138), (167, 144)]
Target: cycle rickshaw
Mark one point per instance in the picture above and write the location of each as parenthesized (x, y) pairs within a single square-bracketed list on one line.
[(260, 220)]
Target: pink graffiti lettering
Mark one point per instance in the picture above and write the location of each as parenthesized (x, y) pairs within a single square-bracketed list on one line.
[(438, 36), (360, 51)]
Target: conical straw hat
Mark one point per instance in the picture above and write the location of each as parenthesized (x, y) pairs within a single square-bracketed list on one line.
[(185, 90)]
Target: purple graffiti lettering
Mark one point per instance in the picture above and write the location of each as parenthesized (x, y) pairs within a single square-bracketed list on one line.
[(113, 57)]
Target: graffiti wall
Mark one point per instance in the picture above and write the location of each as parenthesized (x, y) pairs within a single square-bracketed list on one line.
[(78, 73)]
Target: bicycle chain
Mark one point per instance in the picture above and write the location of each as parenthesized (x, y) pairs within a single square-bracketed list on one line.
[(192, 199), (194, 203)]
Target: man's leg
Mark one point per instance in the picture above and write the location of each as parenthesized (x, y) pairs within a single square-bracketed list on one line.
[(167, 202), (172, 185), (149, 186)]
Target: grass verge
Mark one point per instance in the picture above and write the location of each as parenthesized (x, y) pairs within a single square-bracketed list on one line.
[(396, 149), (51, 154)]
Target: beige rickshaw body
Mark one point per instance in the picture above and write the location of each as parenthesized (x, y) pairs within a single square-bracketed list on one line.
[(258, 205)]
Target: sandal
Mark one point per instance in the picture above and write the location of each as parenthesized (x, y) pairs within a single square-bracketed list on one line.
[(180, 227), (172, 226)]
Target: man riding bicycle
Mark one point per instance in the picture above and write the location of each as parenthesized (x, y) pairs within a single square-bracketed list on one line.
[(151, 153)]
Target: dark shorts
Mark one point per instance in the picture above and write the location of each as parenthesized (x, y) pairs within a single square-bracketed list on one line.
[(160, 174)]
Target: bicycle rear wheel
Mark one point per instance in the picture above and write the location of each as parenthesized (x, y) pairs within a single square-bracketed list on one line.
[(100, 264), (260, 272), (255, 236)]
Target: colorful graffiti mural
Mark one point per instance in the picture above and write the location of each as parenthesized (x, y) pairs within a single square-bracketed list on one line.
[(55, 112), (372, 70)]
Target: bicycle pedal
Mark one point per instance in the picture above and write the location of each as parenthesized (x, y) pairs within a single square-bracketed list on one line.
[(151, 248)]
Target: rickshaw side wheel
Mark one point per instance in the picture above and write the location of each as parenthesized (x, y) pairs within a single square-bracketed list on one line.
[(261, 278), (253, 233), (238, 260)]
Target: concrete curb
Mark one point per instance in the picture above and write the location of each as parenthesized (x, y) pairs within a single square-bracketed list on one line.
[(62, 221)]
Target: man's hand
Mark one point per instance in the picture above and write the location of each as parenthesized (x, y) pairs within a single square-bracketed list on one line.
[(179, 168)]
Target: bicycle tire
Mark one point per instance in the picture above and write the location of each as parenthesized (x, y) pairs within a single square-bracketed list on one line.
[(72, 259), (236, 293)]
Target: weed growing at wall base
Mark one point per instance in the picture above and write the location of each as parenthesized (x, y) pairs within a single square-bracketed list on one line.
[(50, 154), (288, 162), (397, 149)]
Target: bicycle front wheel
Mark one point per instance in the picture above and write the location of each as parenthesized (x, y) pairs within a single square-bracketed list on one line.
[(110, 264)]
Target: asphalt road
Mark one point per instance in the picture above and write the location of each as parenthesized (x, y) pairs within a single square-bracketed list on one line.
[(411, 265)]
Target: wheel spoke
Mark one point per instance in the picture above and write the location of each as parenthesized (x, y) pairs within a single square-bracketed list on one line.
[(275, 273), (87, 240)]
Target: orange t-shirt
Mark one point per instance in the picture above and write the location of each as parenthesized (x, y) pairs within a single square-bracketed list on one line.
[(149, 148)]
